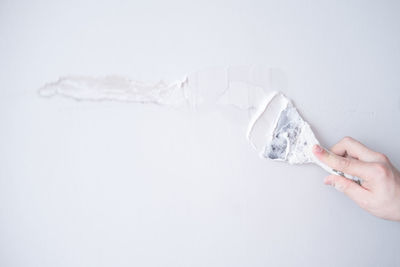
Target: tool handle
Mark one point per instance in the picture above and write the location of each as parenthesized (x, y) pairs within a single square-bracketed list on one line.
[(340, 173)]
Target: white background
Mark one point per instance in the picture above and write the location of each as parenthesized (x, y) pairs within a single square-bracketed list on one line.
[(117, 184)]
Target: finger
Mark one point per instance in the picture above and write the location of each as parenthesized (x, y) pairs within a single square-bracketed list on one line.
[(347, 165), (355, 192), (354, 149)]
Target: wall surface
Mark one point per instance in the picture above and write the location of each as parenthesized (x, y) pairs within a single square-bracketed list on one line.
[(127, 184)]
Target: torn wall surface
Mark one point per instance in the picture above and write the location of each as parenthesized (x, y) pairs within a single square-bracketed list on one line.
[(276, 128), (242, 87)]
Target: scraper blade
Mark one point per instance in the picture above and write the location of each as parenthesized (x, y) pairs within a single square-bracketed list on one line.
[(278, 132)]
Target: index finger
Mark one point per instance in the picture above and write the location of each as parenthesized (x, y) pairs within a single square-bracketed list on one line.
[(347, 165), (354, 149)]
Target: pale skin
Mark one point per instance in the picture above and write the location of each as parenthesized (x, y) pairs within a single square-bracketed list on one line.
[(379, 192)]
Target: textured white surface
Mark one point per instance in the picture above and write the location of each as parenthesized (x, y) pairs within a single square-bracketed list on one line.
[(278, 132), (117, 88), (238, 86), (122, 184)]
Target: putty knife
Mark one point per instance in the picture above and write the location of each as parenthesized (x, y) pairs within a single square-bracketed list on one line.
[(278, 132)]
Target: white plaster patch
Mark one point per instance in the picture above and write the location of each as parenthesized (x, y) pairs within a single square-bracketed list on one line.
[(278, 132), (118, 88)]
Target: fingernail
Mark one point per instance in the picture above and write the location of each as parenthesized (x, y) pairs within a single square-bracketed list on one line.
[(317, 149)]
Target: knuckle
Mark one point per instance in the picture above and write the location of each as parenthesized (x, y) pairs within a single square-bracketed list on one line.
[(347, 139), (336, 148), (344, 186), (382, 157), (364, 203), (381, 169), (343, 163)]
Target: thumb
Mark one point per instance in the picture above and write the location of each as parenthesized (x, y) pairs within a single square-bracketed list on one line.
[(355, 192)]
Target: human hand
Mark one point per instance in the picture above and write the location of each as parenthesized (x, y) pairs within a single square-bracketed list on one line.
[(379, 192)]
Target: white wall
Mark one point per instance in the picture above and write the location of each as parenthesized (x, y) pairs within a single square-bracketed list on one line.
[(117, 184)]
